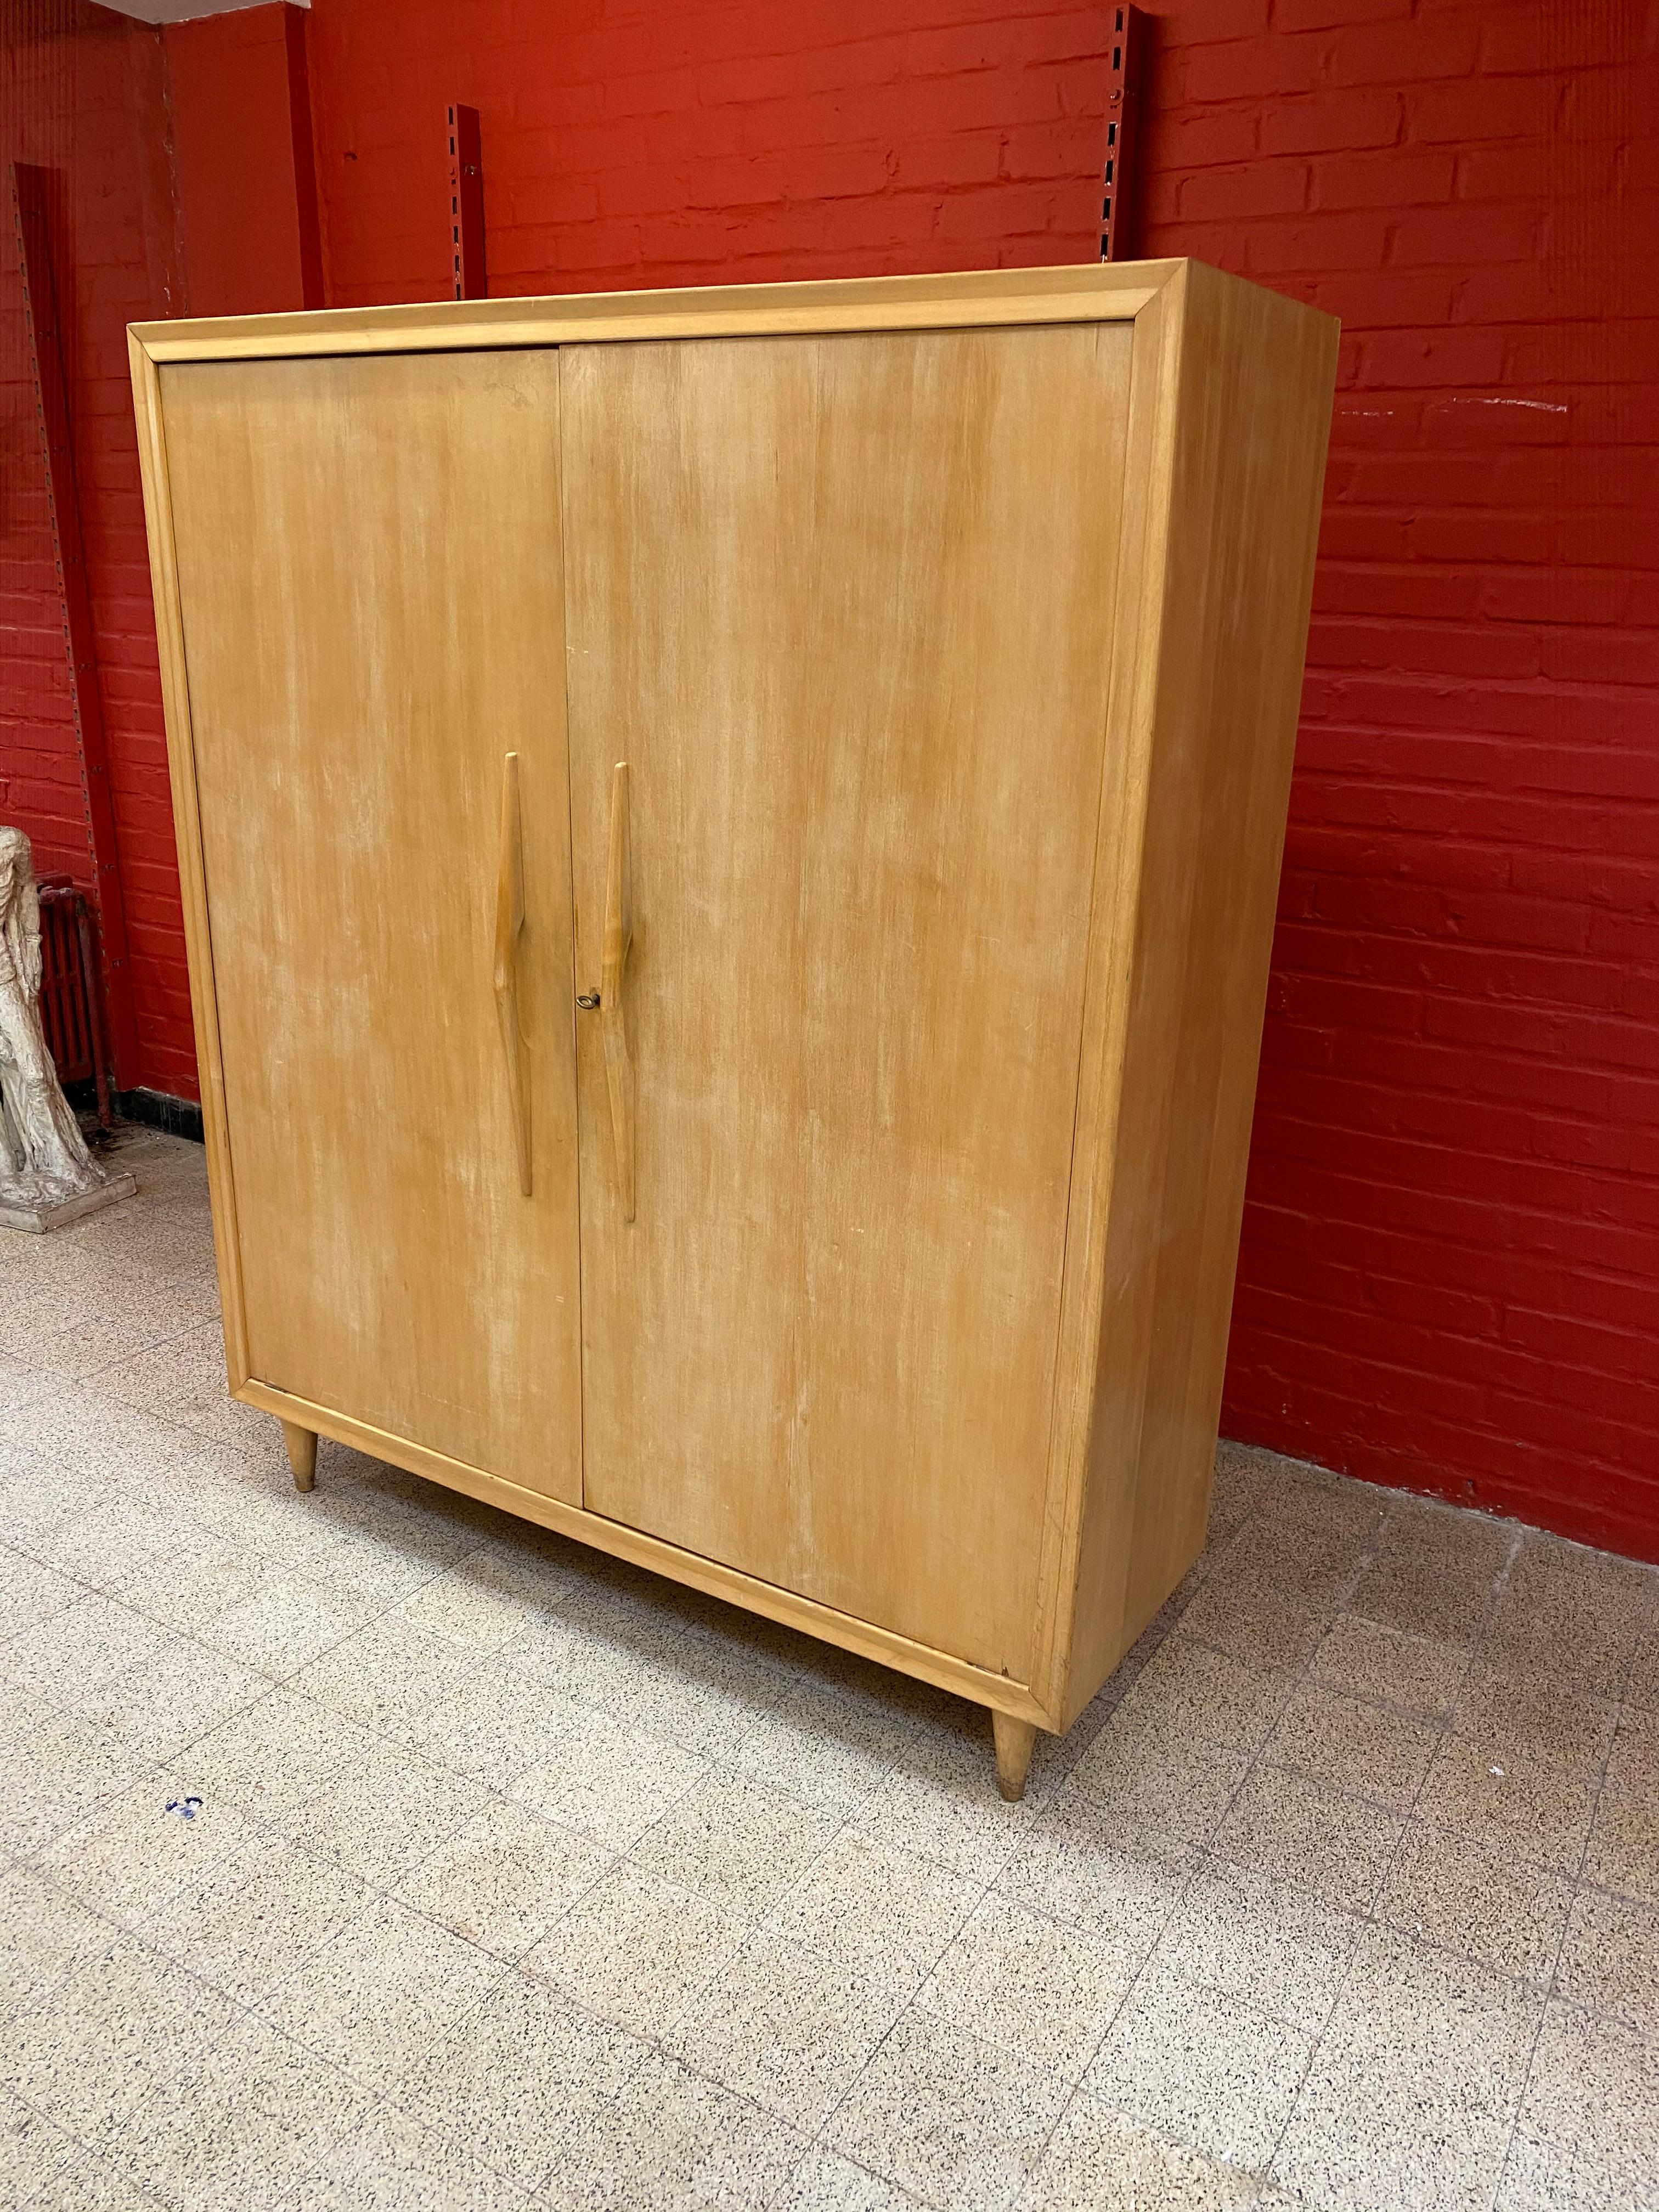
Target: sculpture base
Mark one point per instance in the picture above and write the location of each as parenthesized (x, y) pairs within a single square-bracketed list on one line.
[(36, 1217)]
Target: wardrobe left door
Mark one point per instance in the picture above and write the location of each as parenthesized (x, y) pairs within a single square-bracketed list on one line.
[(370, 579)]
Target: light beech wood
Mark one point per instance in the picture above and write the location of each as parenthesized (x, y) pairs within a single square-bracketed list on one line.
[(1015, 1741), (975, 299), (302, 1447), (808, 584), (509, 929), (618, 943), (361, 655), (842, 1630), (914, 783)]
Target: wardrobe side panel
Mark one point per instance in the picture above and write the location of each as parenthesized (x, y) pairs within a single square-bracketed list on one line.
[(1256, 377)]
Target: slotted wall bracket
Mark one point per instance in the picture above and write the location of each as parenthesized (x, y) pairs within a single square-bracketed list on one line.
[(29, 190), (466, 220), (1127, 55)]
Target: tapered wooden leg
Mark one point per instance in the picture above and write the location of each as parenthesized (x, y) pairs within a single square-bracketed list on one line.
[(301, 1455), (1015, 1740)]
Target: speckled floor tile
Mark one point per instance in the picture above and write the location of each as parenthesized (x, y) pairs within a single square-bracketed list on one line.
[(1264, 1942), (1571, 1614), (43, 2169), (248, 1921), (1117, 1878), (824, 2181), (819, 1745), (275, 1755), (637, 1950), (30, 1593), (164, 1703), (1200, 2067), (1435, 1571), (131, 1857), (1411, 2094), (614, 1784), (46, 1932), (1418, 1674), (953, 2120), (480, 1603), (1158, 1785), (18, 1382), (736, 1841), (377, 1997), (789, 2030), (388, 2162), (384, 1816), (274, 1620), (670, 2139), (1521, 1769), (1609, 1959), (1623, 1852), (246, 2122), (1541, 2177), (1642, 1685), (1098, 2160), (922, 1907), (504, 1877), (1254, 1622), (388, 1676), (116, 2031), (940, 1802), (1334, 1847), (1029, 1984), (72, 1654), (58, 1774), (1190, 1695), (1357, 1746), (1354, 2151), (520, 2077), (1592, 2096), (1486, 1903)]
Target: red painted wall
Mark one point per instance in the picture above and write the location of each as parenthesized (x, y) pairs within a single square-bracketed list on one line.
[(1449, 1276), (82, 92), (240, 118)]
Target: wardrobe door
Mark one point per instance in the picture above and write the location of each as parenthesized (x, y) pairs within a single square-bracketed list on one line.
[(840, 605), (369, 561)]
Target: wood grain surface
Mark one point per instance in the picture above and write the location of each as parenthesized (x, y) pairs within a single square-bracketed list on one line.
[(841, 605), (368, 576)]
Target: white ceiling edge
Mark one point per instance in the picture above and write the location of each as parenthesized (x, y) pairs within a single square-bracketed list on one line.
[(182, 11)]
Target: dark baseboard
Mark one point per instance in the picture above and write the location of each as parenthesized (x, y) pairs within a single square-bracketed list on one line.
[(158, 1110)]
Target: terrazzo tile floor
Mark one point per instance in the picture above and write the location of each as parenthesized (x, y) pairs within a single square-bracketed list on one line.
[(372, 1849)]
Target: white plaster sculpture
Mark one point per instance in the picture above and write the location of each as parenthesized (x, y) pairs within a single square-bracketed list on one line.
[(47, 1174)]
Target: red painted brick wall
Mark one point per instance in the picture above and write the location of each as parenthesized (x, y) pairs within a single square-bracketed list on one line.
[(1449, 1276), (83, 92)]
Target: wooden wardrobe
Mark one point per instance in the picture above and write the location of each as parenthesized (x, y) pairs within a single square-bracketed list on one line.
[(729, 844)]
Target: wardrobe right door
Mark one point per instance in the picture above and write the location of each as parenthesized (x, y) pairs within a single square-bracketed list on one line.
[(838, 613)]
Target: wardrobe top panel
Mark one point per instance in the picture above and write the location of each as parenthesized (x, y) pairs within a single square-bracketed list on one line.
[(1103, 292)]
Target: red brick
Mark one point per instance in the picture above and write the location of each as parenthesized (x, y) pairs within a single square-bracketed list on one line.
[(1331, 123), (1399, 177), (1390, 53), (1263, 188), (1394, 359), (1495, 107), (1255, 69)]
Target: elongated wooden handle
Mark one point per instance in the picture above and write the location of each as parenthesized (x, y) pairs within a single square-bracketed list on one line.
[(509, 927), (619, 939)]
